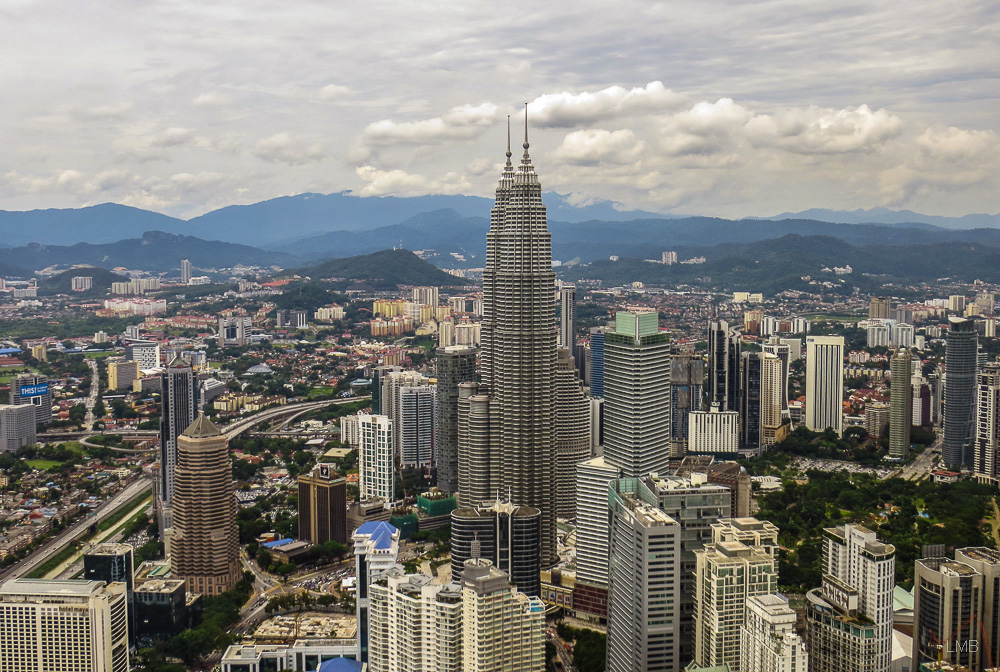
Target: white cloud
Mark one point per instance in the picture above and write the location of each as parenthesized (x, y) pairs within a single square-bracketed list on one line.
[(595, 146), (282, 148), (400, 183), (459, 123), (333, 92), (174, 137), (954, 145), (821, 131), (561, 110), (212, 99)]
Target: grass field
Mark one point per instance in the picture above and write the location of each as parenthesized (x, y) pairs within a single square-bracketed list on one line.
[(117, 516), (99, 355), (42, 464), (321, 392), (53, 562), (9, 374)]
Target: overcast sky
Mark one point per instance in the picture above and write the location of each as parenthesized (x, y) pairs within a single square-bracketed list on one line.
[(712, 107)]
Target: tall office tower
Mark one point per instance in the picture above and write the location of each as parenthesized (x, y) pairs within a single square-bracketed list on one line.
[(376, 458), (768, 641), (415, 624), (33, 389), (592, 479), (427, 296), (900, 404), (504, 533), (293, 319), (987, 448), (850, 616), (204, 544), (567, 317), (145, 353), (825, 383), (921, 412), (121, 375), (739, 563), (113, 563), (947, 606), (69, 626), (902, 335), (518, 357), (644, 586), (986, 561), (378, 379), (878, 308), (760, 401), (185, 271), (637, 395), (17, 427), (322, 506), (724, 344), (479, 464), (392, 394), (687, 375), (502, 628), (177, 411), (878, 336), (572, 432), (961, 348), (596, 424), (453, 365), (596, 371), (416, 425), (234, 331), (782, 350), (376, 548)]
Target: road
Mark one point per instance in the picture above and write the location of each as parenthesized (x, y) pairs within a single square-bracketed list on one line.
[(64, 538), (923, 464), (95, 388)]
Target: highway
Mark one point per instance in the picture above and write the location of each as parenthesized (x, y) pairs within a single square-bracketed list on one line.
[(64, 538), (95, 388)]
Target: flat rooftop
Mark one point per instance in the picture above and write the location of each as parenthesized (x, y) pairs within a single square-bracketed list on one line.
[(51, 587)]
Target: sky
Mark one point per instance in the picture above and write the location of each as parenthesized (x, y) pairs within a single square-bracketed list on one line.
[(711, 107)]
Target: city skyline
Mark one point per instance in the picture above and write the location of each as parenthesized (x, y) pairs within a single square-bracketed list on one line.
[(842, 107)]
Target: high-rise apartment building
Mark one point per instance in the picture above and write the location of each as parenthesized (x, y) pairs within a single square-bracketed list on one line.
[(81, 283), (502, 628), (739, 563), (33, 389), (900, 404), (122, 375), (643, 583), (768, 641), (637, 394), (178, 408), (17, 427), (416, 425), (947, 606), (323, 506), (903, 335), (376, 548), (415, 624), (687, 375), (390, 389), (572, 432), (595, 373), (714, 432), (64, 626), (453, 365), (956, 303), (760, 401), (234, 331), (592, 479), (724, 345), (986, 561), (825, 383), (145, 353), (518, 361), (850, 616), (961, 348), (567, 317), (781, 349), (878, 308), (504, 533), (987, 454), (185, 271), (204, 543), (427, 296), (446, 333), (376, 461), (878, 336)]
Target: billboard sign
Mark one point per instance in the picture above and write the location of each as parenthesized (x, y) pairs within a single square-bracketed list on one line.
[(34, 390)]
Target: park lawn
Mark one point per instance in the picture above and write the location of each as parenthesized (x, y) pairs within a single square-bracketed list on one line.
[(321, 392), (9, 374), (42, 464), (99, 355)]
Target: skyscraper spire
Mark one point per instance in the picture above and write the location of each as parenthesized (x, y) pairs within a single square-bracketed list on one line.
[(508, 140), (525, 130)]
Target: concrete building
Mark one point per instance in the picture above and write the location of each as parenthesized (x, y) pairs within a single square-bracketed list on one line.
[(878, 336), (113, 563), (903, 336), (782, 349), (234, 331), (724, 345), (572, 432), (687, 375), (987, 454), (186, 271), (961, 349), (17, 427), (415, 624), (637, 394), (64, 626), (518, 355), (956, 303), (416, 425), (376, 548), (161, 610), (825, 383), (292, 319), (122, 375), (768, 641), (566, 296), (850, 616), (592, 530), (390, 389), (502, 628), (453, 365), (507, 535), (479, 465), (81, 283), (900, 404), (322, 506), (877, 416), (427, 296), (145, 353), (760, 401), (947, 604), (714, 432), (376, 462), (33, 389), (986, 561), (204, 542), (643, 583), (178, 408), (879, 308)]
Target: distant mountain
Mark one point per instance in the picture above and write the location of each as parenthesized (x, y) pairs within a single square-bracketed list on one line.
[(154, 251), (62, 283), (383, 270), (892, 217), (105, 223)]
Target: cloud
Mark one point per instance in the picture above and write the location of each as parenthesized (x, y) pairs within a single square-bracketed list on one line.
[(282, 148), (333, 92), (401, 183), (813, 130), (459, 123), (562, 110), (955, 144), (595, 146), (174, 137), (106, 111), (706, 128), (212, 99)]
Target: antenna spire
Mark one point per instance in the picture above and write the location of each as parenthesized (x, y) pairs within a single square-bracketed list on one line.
[(508, 138), (525, 129)]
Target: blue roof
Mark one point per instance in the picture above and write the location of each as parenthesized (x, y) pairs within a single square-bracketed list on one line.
[(9, 351), (340, 665), (381, 533), (277, 542)]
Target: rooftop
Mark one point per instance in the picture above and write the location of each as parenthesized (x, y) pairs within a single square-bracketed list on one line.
[(51, 587)]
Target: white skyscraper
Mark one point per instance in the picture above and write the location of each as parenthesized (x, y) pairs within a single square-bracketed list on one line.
[(768, 642), (567, 317), (416, 425), (902, 335), (376, 548), (592, 479), (64, 626), (377, 471), (714, 432), (878, 335), (825, 383)]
